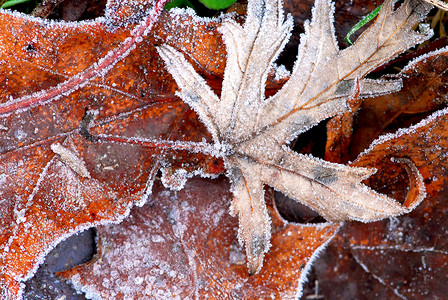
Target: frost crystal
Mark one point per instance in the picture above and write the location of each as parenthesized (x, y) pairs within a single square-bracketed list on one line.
[(256, 130)]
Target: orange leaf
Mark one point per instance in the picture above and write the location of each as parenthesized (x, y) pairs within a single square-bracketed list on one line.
[(424, 90), (51, 74), (404, 257), (45, 199)]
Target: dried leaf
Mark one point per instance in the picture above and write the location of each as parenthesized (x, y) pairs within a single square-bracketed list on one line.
[(424, 90), (46, 192), (181, 245), (251, 132), (61, 174), (404, 257), (439, 4)]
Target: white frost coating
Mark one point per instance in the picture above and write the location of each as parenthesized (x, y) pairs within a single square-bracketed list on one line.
[(399, 247), (41, 257), (255, 130), (64, 89), (19, 223), (157, 239), (90, 292), (99, 68), (177, 12), (20, 215), (405, 131), (3, 178), (149, 184), (310, 262), (71, 159), (135, 263), (281, 73), (175, 179), (423, 57)]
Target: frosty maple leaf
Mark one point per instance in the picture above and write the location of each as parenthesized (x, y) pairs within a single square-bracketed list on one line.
[(252, 132)]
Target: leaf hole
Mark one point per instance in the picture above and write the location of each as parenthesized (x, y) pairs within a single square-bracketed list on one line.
[(67, 10), (397, 4), (76, 10), (296, 212)]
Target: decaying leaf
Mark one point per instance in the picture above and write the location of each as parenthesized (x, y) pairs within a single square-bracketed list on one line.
[(181, 245), (58, 177), (424, 90), (411, 252), (251, 132), (46, 87)]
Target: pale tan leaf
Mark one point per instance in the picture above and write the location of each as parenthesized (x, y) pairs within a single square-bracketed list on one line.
[(439, 4), (251, 132)]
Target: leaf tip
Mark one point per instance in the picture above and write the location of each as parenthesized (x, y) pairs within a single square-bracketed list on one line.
[(255, 249)]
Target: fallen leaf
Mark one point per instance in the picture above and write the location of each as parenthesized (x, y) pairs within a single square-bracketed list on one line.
[(411, 248), (61, 174), (181, 245), (47, 87), (424, 90), (250, 132), (44, 199)]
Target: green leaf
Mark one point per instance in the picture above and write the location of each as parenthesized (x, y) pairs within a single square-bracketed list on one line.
[(10, 3), (179, 3), (217, 4)]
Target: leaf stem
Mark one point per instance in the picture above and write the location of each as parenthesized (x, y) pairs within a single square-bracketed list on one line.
[(195, 147), (216, 150)]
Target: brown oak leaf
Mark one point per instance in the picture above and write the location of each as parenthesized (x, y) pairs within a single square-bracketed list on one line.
[(424, 90), (47, 86)]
